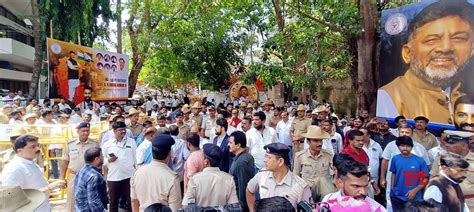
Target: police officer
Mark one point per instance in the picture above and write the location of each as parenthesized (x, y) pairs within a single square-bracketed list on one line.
[(73, 159), (299, 127), (156, 182), (211, 187), (278, 180), (459, 142), (314, 163)]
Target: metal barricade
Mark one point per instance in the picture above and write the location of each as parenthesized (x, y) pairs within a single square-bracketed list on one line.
[(53, 140)]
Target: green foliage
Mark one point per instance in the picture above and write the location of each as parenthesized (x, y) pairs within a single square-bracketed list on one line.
[(192, 41), (71, 16), (312, 45)]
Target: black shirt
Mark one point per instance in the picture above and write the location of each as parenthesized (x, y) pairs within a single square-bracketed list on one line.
[(243, 169), (71, 73)]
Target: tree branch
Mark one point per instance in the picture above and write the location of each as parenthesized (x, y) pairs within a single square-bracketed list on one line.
[(331, 26)]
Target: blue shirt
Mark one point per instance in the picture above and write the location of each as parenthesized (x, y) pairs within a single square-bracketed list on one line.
[(90, 190), (409, 172)]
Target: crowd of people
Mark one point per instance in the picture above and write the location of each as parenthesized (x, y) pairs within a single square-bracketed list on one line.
[(248, 156)]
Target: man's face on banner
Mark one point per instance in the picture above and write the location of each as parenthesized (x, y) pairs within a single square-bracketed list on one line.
[(87, 94), (121, 64), (464, 117), (438, 49)]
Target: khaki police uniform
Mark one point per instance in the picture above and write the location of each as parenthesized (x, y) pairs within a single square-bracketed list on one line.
[(315, 171), (293, 188), (467, 186), (299, 126), (156, 183), (429, 141), (268, 118), (196, 120), (211, 187), (74, 153), (207, 125), (136, 129)]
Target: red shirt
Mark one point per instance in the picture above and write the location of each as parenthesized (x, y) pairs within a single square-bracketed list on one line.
[(233, 122), (360, 157)]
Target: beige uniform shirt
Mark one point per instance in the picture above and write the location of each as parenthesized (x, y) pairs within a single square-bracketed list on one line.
[(207, 125), (156, 183), (293, 188), (74, 153), (299, 126), (429, 141), (309, 167), (268, 117), (196, 120), (211, 187), (136, 129)]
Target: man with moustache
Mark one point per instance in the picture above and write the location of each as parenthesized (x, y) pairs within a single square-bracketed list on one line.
[(464, 113), (446, 186), (24, 172), (440, 41)]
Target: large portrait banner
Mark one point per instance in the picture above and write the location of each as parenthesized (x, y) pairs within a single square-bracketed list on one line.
[(75, 71), (426, 64)]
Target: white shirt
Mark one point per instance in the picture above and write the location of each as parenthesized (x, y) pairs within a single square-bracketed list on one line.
[(374, 151), (26, 174), (434, 193), (125, 165), (283, 131), (110, 135), (141, 150), (149, 105), (394, 131), (433, 152), (75, 119), (256, 141), (337, 144), (15, 122), (63, 106)]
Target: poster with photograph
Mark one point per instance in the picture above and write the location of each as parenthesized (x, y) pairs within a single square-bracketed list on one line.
[(75, 71), (426, 63)]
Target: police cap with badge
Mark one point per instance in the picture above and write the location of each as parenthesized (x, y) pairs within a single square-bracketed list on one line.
[(453, 136), (280, 150)]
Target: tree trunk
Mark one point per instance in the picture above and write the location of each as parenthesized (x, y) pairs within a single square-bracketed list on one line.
[(34, 83), (367, 90), (119, 26)]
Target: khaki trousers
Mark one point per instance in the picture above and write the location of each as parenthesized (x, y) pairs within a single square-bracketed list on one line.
[(71, 199)]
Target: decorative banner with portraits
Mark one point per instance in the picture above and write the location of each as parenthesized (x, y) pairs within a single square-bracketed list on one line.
[(243, 92), (426, 66), (73, 68)]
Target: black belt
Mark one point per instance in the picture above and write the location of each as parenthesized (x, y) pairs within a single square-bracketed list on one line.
[(206, 137)]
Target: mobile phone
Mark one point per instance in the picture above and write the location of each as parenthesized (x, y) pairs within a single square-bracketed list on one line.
[(112, 155)]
